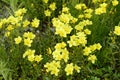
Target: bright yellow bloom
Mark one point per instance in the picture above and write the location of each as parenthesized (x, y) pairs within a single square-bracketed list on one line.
[(101, 9), (52, 6), (86, 51), (74, 20), (38, 58), (20, 12), (1, 25), (49, 51), (117, 30), (93, 47), (55, 71), (72, 41), (88, 11), (26, 23), (47, 13), (35, 22), (69, 69), (87, 31), (88, 15), (81, 16), (65, 9), (103, 5), (29, 35), (63, 30), (65, 17), (53, 67), (57, 55), (28, 52), (79, 27), (80, 6), (45, 1), (10, 27), (60, 45), (115, 2), (65, 54), (7, 34), (31, 57), (13, 20), (92, 58), (18, 40), (77, 68), (98, 46), (28, 42)]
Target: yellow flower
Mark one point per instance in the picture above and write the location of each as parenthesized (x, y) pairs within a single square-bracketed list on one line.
[(117, 30), (94, 1), (93, 47), (77, 68), (92, 58), (1, 25), (38, 58), (52, 6), (26, 23), (47, 13), (60, 45), (35, 22), (7, 34), (65, 54), (65, 9), (61, 32), (101, 9), (87, 31), (88, 15), (13, 20), (79, 27), (10, 27), (81, 16), (28, 52), (78, 6), (57, 55), (98, 46), (29, 35), (115, 2), (49, 51), (86, 51), (89, 11), (45, 1), (69, 69), (74, 20), (55, 71), (65, 17), (27, 42), (31, 57), (18, 40), (53, 67), (103, 5), (20, 12)]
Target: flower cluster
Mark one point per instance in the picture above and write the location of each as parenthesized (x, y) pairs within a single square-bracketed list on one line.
[(16, 24), (53, 67), (50, 9), (64, 24), (87, 51), (115, 2), (70, 67), (30, 54), (101, 9), (117, 30)]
